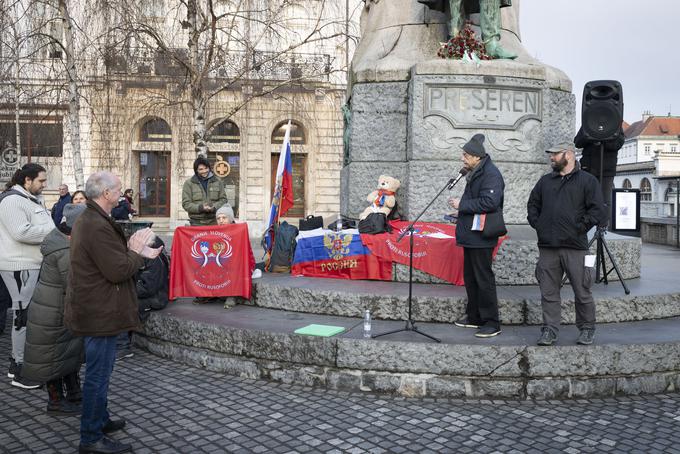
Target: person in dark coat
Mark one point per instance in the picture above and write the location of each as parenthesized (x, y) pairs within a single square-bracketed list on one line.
[(601, 162), (58, 208), (153, 281), (124, 211), (101, 302), (562, 207), (483, 194), (52, 354)]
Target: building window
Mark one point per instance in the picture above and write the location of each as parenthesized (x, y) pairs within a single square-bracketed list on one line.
[(645, 190), (627, 184), (38, 140), (674, 148), (225, 132), (297, 133), (648, 150), (155, 130)]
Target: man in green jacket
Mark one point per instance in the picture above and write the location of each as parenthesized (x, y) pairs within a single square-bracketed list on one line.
[(203, 194)]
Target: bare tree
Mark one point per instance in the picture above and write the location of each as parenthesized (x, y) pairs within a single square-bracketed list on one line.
[(207, 47)]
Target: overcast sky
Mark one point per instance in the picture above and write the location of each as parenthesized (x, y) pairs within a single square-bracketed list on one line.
[(634, 42)]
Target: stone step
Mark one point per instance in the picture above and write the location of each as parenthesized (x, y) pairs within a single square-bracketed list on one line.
[(654, 297), (247, 341)]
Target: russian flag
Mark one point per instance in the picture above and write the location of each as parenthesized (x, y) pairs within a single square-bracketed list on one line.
[(340, 255), (283, 190)]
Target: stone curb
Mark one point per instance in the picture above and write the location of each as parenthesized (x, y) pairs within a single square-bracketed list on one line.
[(418, 369), (441, 309)]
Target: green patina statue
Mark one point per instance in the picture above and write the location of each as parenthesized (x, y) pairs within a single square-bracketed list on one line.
[(490, 21)]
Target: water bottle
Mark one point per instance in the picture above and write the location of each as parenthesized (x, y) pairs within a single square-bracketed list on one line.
[(338, 224), (367, 324)]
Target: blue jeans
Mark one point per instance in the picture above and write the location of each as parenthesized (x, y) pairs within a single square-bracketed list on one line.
[(100, 354)]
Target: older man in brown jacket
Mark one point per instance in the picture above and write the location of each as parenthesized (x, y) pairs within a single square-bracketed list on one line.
[(101, 302)]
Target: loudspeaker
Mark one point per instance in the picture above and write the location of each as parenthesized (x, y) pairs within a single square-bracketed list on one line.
[(602, 110)]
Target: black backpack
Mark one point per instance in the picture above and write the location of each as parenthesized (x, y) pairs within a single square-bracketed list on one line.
[(283, 250), (374, 223)]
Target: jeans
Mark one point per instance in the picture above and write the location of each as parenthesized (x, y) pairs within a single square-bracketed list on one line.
[(100, 355)]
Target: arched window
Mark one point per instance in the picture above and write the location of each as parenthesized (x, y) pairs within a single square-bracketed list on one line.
[(225, 132), (297, 133), (155, 130), (299, 161), (645, 190), (627, 184)]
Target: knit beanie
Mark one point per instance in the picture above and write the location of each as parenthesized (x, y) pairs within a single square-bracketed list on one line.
[(475, 146), (227, 211), (71, 213)]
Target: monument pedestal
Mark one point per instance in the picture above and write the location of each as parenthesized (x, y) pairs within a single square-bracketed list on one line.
[(413, 130)]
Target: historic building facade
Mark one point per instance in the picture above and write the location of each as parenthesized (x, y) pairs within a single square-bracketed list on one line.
[(135, 122)]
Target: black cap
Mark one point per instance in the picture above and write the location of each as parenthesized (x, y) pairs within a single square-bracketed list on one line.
[(475, 146)]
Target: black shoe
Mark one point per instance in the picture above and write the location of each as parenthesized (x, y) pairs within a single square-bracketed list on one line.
[(465, 323), (548, 337), (104, 446), (13, 368), (24, 383), (586, 336), (62, 408), (488, 331), (113, 425)]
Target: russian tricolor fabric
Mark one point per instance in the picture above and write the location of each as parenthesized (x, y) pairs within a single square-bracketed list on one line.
[(325, 253)]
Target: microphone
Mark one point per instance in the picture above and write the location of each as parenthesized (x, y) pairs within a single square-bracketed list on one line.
[(452, 182)]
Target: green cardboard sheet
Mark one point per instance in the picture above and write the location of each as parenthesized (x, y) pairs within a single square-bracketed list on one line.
[(320, 330)]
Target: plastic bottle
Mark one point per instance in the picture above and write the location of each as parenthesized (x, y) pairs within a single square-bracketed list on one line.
[(338, 224), (367, 324)]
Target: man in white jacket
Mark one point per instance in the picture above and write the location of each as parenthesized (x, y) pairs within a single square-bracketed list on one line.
[(24, 223)]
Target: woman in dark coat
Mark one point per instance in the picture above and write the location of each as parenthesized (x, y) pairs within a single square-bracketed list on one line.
[(53, 355)]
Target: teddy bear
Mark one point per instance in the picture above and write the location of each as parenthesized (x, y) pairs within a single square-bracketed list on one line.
[(382, 199)]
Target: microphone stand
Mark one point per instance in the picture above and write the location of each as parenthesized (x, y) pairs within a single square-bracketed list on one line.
[(410, 324)]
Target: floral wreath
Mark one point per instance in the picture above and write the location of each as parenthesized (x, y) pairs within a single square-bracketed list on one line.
[(464, 46)]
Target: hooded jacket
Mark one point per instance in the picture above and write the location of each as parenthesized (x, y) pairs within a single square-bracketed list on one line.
[(194, 196), (563, 208), (52, 351)]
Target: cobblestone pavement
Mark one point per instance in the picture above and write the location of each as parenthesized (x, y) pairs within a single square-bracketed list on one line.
[(172, 408)]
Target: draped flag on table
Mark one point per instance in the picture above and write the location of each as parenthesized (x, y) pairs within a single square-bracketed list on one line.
[(325, 253), (283, 191), (211, 261), (434, 248)]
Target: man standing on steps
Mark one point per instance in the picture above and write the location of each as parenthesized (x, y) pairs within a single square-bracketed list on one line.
[(24, 224), (483, 194), (101, 302), (562, 207)]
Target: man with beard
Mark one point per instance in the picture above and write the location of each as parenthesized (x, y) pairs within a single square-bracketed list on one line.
[(562, 207)]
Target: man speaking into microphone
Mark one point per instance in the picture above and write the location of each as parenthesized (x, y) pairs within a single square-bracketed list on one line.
[(483, 194)]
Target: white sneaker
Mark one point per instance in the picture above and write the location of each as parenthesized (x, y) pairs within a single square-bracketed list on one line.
[(257, 274)]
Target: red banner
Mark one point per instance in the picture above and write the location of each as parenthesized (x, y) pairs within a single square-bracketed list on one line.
[(434, 249), (211, 261)]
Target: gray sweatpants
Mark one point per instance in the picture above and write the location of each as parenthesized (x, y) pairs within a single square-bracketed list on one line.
[(551, 266), (20, 285)]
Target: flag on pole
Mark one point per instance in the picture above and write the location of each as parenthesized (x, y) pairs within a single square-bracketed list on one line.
[(283, 191)]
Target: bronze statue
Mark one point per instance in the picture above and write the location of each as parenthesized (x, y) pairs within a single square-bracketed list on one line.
[(490, 21)]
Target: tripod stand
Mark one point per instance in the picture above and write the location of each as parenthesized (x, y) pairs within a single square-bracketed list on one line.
[(602, 246), (410, 324)]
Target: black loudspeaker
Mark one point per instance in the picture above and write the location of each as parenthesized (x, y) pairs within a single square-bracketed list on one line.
[(602, 110)]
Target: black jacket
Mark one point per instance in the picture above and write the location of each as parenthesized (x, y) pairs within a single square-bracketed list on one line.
[(563, 208), (590, 160), (152, 283), (58, 208), (483, 194)]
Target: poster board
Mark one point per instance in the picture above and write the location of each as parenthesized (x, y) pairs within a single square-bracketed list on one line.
[(626, 210)]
